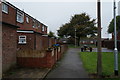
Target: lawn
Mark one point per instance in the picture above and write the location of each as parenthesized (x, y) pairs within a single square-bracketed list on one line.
[(90, 59), (81, 45)]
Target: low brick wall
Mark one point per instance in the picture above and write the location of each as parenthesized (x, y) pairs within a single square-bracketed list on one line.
[(47, 61), (64, 48), (41, 60)]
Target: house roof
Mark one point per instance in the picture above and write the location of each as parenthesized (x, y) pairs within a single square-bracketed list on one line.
[(11, 5)]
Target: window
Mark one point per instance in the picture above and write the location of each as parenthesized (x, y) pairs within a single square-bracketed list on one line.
[(91, 42), (33, 23), (38, 24), (22, 39), (27, 19), (83, 41), (4, 8), (20, 17), (43, 28)]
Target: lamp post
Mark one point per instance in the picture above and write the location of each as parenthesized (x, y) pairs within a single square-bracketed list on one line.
[(115, 43), (75, 37), (99, 55)]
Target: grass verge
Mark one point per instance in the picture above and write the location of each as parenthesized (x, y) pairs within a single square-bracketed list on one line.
[(90, 62)]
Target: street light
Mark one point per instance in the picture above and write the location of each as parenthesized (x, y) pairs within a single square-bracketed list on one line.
[(115, 43), (75, 37)]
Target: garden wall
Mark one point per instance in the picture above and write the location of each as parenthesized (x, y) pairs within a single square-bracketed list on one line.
[(37, 59)]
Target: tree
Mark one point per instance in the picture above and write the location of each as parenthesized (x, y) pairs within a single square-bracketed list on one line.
[(51, 34), (111, 25), (84, 26)]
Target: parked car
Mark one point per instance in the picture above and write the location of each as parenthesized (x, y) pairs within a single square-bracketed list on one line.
[(85, 48)]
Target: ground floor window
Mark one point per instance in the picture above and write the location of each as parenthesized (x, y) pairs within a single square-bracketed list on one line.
[(22, 39)]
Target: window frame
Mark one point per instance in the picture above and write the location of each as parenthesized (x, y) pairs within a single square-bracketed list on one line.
[(38, 24), (27, 19), (43, 28), (20, 14), (3, 8), (22, 38), (91, 42), (33, 23)]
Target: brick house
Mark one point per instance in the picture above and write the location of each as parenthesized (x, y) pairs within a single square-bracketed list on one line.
[(110, 43), (30, 32), (118, 35), (9, 36), (88, 41), (19, 31)]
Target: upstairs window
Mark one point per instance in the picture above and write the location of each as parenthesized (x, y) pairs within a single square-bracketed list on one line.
[(20, 17), (27, 19), (38, 24), (33, 23), (91, 42), (4, 8), (22, 39), (43, 29)]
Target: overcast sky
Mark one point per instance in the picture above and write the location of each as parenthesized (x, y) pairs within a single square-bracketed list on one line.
[(54, 14)]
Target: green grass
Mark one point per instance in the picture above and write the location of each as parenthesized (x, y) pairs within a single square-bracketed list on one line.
[(81, 45), (90, 59)]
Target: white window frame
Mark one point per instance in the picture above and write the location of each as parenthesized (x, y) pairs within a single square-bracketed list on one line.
[(33, 24), (20, 14), (92, 42), (83, 41), (27, 19), (43, 28), (4, 8), (22, 38)]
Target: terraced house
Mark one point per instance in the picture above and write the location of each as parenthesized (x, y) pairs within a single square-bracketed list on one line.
[(20, 31)]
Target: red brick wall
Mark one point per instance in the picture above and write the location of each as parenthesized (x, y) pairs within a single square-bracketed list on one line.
[(10, 17), (25, 25), (34, 41), (37, 62), (39, 45), (29, 26), (51, 41), (45, 62), (29, 41), (45, 43), (9, 45)]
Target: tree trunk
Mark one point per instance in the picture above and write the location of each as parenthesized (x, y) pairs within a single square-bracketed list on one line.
[(78, 42)]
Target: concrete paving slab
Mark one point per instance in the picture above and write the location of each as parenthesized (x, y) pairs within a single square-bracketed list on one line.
[(27, 73)]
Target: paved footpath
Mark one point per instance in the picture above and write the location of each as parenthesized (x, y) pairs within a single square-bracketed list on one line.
[(69, 67)]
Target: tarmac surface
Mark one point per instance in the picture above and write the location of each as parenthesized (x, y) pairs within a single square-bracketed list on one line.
[(70, 67)]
